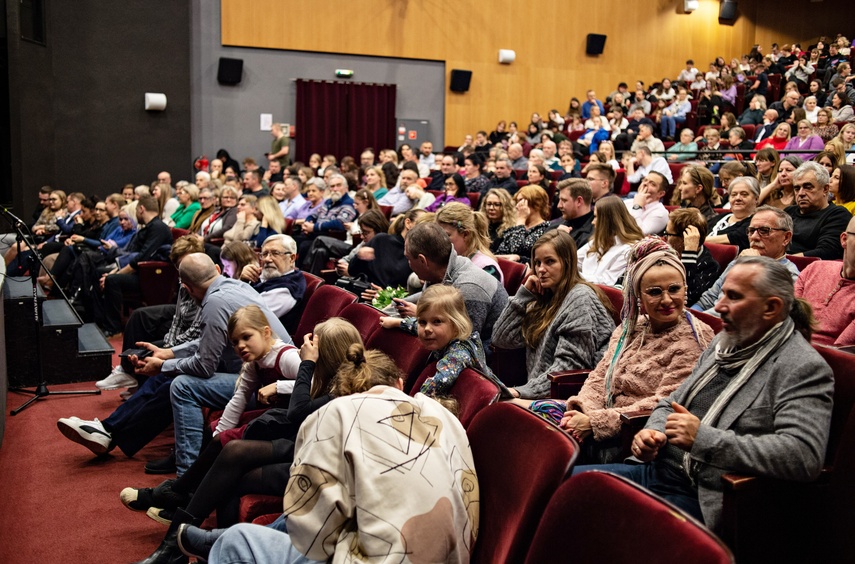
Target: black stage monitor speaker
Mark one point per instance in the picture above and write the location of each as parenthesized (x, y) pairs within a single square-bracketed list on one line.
[(727, 11), (460, 80), (230, 71), (595, 44)]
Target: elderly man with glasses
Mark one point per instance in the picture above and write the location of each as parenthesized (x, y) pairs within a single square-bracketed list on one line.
[(280, 284), (769, 233), (817, 224)]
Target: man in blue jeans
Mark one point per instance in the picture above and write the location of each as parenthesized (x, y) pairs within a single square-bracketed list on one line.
[(758, 402), (202, 372)]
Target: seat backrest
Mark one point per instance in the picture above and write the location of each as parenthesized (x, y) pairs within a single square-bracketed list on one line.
[(801, 262), (158, 282), (177, 232), (616, 297), (387, 211), (326, 301), (513, 273), (292, 319), (404, 348), (711, 320), (521, 459), (601, 517), (472, 391), (722, 254), (474, 198), (840, 454), (365, 318)]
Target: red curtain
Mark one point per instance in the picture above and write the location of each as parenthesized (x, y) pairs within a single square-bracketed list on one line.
[(342, 118)]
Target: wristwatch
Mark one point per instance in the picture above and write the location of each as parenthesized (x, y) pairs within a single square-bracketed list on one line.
[(636, 207)]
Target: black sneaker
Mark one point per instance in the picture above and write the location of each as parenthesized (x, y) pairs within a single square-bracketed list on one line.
[(162, 466), (196, 542), (136, 499)]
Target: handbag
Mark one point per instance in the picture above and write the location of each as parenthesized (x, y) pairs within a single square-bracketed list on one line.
[(355, 285)]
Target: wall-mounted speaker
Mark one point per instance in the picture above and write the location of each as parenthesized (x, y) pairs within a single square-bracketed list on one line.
[(460, 80), (230, 71), (727, 10), (595, 44)]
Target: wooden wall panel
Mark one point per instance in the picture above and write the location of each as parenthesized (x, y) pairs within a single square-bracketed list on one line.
[(647, 40), (803, 21)]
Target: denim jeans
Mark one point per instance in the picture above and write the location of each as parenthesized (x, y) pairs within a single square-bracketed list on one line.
[(245, 543), (189, 394), (668, 125), (659, 478)]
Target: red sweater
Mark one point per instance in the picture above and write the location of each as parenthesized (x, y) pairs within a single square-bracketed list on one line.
[(833, 301)]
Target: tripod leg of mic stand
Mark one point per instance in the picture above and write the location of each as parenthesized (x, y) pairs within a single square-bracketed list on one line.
[(42, 391)]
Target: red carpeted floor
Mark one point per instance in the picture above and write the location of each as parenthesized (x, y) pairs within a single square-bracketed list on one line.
[(58, 502)]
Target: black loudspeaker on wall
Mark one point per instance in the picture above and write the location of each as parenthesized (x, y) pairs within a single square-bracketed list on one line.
[(460, 80), (595, 44), (230, 71), (727, 10)]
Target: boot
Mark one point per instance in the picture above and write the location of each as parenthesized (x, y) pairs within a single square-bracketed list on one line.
[(196, 542), (168, 551)]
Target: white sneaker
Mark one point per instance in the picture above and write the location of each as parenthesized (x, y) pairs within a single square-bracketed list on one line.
[(90, 434), (118, 378)]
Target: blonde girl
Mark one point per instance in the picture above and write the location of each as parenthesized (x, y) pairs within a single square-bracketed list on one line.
[(467, 230)]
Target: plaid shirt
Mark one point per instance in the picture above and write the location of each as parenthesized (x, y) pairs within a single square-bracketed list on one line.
[(185, 324)]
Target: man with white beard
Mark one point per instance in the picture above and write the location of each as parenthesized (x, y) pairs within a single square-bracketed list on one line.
[(337, 210), (276, 279)]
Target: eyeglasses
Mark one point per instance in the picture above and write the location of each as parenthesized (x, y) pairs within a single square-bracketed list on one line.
[(764, 231), (673, 235), (228, 198), (657, 293), (124, 218), (274, 254)]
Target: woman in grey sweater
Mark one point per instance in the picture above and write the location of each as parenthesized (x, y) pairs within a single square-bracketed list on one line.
[(563, 322)]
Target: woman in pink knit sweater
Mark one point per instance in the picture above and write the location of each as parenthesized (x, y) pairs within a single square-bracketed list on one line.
[(649, 354)]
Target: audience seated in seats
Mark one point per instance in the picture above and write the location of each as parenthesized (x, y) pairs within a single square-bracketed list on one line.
[(805, 140), (246, 222), (637, 117), (736, 139), (204, 370), (444, 329), (786, 106), (331, 216), (345, 520), (476, 181), (234, 257), (841, 110), (324, 247), (589, 103), (761, 363), (779, 139), (647, 207), (454, 190), (574, 204), (498, 205), (280, 285), (767, 161), (695, 189), (643, 163), (846, 138), (767, 127), (602, 260), (397, 196), (504, 177), (382, 259), (731, 228), (271, 221), (769, 233), (753, 114), (829, 286), (371, 223), (686, 233), (231, 466), (537, 175), (467, 231), (649, 354), (816, 223), (419, 197), (188, 204), (842, 186), (646, 139), (162, 191), (87, 227), (224, 219), (562, 321), (147, 244), (50, 235), (675, 114), (433, 259), (779, 192), (825, 126), (515, 154), (685, 150), (207, 203), (375, 182), (532, 212)]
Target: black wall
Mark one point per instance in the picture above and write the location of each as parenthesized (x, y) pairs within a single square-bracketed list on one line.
[(76, 104)]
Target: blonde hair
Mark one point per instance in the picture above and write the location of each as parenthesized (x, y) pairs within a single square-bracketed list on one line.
[(509, 215), (449, 301), (837, 149), (271, 211), (335, 337), (165, 194), (249, 316), (472, 225), (362, 370)]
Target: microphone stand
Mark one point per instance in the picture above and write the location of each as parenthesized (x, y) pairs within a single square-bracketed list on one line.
[(34, 261)]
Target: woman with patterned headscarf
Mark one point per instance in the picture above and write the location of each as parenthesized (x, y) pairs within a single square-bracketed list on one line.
[(649, 354)]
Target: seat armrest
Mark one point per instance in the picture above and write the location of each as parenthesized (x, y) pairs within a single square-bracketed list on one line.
[(631, 422), (634, 416), (567, 383)]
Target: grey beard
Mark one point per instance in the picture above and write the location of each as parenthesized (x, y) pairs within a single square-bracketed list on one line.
[(335, 196), (269, 273)]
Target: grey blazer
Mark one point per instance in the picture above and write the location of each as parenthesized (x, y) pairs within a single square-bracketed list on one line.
[(776, 425)]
